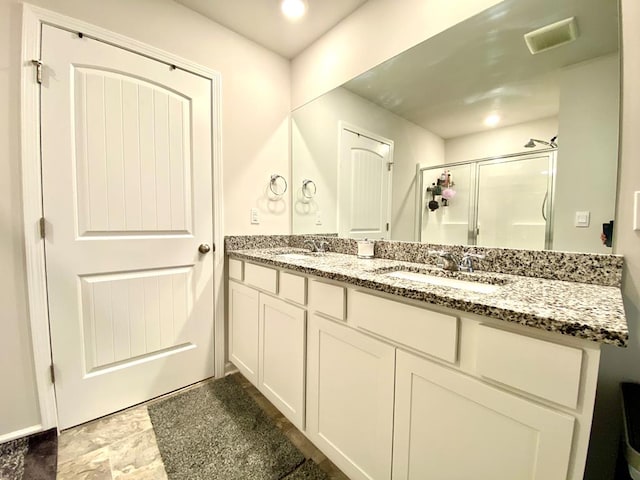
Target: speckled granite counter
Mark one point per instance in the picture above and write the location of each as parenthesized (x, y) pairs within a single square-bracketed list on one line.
[(592, 312)]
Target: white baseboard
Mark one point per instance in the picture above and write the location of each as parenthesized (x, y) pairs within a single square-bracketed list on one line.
[(20, 433)]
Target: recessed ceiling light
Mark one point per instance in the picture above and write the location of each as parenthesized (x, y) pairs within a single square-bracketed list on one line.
[(492, 120), (293, 9)]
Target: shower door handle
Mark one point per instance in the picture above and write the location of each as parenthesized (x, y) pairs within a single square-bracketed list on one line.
[(544, 204)]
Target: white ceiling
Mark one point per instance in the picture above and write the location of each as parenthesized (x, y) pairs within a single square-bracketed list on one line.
[(262, 22), (451, 82)]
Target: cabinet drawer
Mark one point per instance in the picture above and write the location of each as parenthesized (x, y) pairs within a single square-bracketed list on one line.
[(293, 287), (430, 332), (262, 277), (235, 269), (545, 369), (328, 299)]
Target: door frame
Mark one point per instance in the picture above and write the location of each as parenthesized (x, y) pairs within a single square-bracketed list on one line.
[(342, 125), (32, 20)]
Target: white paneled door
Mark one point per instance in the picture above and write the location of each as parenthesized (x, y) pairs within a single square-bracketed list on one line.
[(364, 186), (126, 166)]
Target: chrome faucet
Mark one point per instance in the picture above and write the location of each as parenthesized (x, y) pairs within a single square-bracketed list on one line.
[(449, 261), (466, 264), (322, 246), (319, 247)]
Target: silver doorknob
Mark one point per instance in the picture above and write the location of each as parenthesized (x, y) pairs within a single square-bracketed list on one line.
[(204, 248)]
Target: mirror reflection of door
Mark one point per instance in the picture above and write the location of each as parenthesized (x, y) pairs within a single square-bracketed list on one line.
[(364, 185), (513, 203)]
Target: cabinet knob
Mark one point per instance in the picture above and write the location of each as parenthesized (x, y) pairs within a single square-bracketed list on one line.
[(204, 248)]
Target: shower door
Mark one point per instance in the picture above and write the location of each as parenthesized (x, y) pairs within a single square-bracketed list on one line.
[(513, 203), (449, 224), (503, 202)]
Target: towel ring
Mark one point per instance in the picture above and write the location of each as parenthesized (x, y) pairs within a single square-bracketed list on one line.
[(306, 190), (278, 188)]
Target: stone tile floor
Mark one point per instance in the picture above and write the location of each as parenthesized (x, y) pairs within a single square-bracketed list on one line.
[(123, 446), (120, 446)]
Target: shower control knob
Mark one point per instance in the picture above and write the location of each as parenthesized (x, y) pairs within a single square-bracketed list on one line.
[(204, 248)]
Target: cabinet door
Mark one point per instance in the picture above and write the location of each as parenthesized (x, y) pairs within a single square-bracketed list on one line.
[(243, 330), (281, 362), (350, 398), (451, 426)]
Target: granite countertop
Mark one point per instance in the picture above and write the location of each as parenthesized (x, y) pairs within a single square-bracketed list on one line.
[(592, 312)]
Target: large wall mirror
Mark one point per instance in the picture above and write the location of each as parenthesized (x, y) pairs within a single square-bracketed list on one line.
[(470, 138)]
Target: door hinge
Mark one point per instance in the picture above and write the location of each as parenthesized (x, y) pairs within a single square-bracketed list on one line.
[(38, 65), (42, 225), (387, 226), (52, 372), (389, 166)]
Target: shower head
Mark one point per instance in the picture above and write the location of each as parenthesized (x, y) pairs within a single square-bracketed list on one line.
[(532, 143)]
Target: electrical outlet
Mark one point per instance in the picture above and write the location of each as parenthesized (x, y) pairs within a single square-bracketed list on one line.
[(318, 218), (255, 216)]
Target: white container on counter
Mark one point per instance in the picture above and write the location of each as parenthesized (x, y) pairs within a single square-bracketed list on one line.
[(365, 248)]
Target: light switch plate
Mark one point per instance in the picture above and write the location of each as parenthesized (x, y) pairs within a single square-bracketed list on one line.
[(582, 219), (255, 216), (636, 210)]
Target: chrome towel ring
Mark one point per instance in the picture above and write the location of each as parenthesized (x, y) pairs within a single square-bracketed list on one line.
[(278, 184), (309, 188)]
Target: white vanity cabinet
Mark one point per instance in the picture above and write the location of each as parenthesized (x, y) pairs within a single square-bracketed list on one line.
[(393, 389), (478, 398), (449, 425), (350, 398), (267, 340)]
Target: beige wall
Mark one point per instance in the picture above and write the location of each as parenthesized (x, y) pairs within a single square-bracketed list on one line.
[(588, 138), (255, 108), (18, 402), (374, 33)]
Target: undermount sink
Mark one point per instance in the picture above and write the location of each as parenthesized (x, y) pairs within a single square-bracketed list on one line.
[(469, 286), (298, 255), (293, 256)]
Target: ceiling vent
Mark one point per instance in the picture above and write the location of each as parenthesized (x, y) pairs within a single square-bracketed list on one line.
[(552, 36)]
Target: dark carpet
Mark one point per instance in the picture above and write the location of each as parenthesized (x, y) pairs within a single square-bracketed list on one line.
[(217, 431), (30, 458)]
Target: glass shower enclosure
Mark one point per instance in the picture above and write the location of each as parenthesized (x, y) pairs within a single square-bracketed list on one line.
[(502, 201)]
